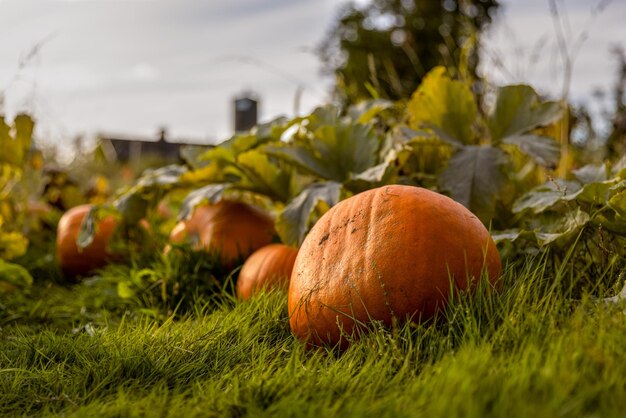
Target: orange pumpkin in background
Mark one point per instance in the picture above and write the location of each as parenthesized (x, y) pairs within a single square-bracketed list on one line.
[(268, 267), (74, 261), (233, 230), (391, 252)]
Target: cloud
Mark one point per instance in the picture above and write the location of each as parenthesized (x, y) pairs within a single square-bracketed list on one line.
[(144, 72)]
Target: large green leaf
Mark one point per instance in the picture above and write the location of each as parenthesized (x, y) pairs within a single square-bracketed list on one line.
[(513, 235), (335, 152), (547, 195), (564, 230), (592, 173), (193, 155), (447, 106), (545, 151), (323, 116), (556, 231), (611, 222), (518, 110), (211, 194), (618, 203), (264, 176), (376, 176), (163, 178), (366, 111), (596, 193), (257, 136), (226, 152), (133, 207), (293, 222), (474, 177)]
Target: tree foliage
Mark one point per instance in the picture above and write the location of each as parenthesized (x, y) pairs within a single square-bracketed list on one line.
[(386, 47)]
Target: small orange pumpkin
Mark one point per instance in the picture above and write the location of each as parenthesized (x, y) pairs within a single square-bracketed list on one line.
[(268, 267), (74, 261), (231, 229), (390, 252)]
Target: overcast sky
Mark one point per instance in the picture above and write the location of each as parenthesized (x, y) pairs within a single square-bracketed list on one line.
[(128, 67)]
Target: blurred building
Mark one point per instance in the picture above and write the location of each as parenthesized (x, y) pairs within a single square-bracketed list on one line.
[(124, 149), (133, 149), (246, 112)]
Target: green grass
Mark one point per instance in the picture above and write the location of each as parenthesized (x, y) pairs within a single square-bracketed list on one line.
[(533, 350)]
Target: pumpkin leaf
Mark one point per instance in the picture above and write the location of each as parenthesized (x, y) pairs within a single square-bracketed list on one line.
[(564, 229), (610, 221), (366, 111), (226, 151), (559, 230), (545, 151), (518, 110), (547, 195), (192, 155), (87, 231), (14, 274), (292, 223), (447, 106), (162, 178), (474, 178), (595, 193), (212, 193), (334, 152), (264, 176), (513, 235), (223, 171), (133, 208), (592, 173), (373, 177), (618, 203), (326, 115)]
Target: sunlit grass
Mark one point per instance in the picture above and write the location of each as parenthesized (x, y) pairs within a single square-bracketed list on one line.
[(534, 350)]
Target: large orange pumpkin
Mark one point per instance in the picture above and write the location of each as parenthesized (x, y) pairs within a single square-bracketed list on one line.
[(268, 267), (390, 252), (233, 230), (74, 261)]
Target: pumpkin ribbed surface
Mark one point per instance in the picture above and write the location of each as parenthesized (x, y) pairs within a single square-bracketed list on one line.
[(74, 261), (268, 267), (231, 229), (386, 253)]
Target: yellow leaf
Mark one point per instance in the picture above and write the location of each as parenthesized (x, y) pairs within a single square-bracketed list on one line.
[(444, 105), (12, 244)]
